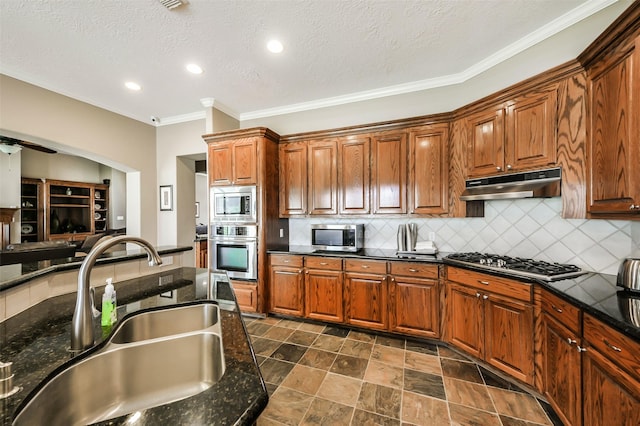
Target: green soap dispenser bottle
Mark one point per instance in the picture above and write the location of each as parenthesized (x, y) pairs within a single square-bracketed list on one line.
[(109, 311)]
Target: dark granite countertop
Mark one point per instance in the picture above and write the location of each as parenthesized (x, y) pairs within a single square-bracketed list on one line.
[(594, 293), (37, 339), (15, 274)]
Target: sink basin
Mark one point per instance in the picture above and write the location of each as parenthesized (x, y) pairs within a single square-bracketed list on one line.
[(153, 358), (166, 322)]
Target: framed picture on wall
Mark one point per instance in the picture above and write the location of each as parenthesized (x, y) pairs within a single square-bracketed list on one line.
[(166, 197)]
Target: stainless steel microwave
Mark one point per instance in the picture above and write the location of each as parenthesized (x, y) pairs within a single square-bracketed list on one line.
[(233, 204), (349, 238)]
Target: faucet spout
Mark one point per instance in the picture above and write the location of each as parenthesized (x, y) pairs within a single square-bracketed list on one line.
[(82, 324)]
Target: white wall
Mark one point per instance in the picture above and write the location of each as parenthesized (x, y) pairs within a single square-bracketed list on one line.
[(202, 193), (10, 190)]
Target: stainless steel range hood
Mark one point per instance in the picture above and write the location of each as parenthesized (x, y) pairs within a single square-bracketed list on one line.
[(539, 183)]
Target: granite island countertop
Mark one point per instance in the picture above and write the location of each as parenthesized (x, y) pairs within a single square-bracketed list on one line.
[(36, 341)]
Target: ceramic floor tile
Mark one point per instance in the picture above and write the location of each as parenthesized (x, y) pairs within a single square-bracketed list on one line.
[(424, 384), (287, 406), (382, 400), (318, 359), (388, 355), (274, 371), (270, 320), (422, 347), (349, 366), (468, 416), (304, 379), (356, 348), (289, 324), (510, 421), (518, 405), (424, 411), (289, 352), (328, 343), (361, 336), (394, 342), (315, 328), (265, 421), (329, 413), (493, 380), (342, 389), (469, 394), (446, 352), (361, 417), (384, 374), (461, 370), (422, 362), (257, 328), (264, 347), (336, 331), (303, 338), (278, 333)]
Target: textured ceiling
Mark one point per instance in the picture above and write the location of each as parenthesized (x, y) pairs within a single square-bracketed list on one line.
[(86, 49)]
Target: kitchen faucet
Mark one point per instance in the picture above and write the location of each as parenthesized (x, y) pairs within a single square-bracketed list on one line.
[(82, 323)]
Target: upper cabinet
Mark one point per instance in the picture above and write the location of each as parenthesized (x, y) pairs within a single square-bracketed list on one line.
[(323, 177), (389, 172), (429, 169), (293, 178), (613, 153), (233, 162), (516, 137), (354, 169)]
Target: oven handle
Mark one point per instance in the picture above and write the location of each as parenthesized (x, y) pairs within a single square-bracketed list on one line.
[(233, 240)]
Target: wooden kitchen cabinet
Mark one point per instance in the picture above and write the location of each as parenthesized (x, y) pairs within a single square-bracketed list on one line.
[(492, 318), (365, 289), (293, 178), (429, 170), (323, 177), (286, 284), (354, 169), (389, 172), (32, 210), (486, 143), (246, 295), (414, 300), (323, 283), (614, 133), (233, 162)]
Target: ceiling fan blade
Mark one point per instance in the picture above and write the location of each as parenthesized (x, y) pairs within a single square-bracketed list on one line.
[(36, 147)]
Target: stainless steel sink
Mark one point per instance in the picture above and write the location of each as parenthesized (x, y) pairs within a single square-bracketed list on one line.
[(166, 322), (160, 357)]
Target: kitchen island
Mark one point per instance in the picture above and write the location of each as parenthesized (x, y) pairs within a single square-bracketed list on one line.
[(37, 342)]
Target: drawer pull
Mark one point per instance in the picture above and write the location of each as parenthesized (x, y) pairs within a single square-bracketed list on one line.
[(581, 349), (483, 282), (365, 266), (286, 261), (485, 297), (558, 310), (478, 295), (324, 263), (571, 341), (413, 270), (615, 348)]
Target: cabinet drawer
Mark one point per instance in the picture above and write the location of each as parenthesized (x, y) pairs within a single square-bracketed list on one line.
[(620, 349), (286, 260), (491, 283), (414, 269), (317, 262), (366, 266), (561, 310)]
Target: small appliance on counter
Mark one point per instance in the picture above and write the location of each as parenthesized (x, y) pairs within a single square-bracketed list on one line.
[(408, 244), (339, 238), (629, 275)]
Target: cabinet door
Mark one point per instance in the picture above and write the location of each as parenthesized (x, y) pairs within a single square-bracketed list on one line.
[(389, 173), (561, 370), (429, 170), (245, 170), (366, 300), (324, 295), (414, 306), (354, 166), (614, 151), (246, 295), (611, 396), (293, 178), (486, 143), (323, 177), (220, 164), (286, 290), (531, 131), (465, 319), (508, 343)]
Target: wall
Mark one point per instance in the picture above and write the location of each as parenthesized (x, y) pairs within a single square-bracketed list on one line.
[(10, 190), (78, 128), (202, 193), (530, 228)]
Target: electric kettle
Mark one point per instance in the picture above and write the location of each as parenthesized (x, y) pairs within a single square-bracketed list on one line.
[(629, 274)]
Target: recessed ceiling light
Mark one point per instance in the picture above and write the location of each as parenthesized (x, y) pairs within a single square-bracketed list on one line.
[(132, 86), (194, 69), (275, 46)]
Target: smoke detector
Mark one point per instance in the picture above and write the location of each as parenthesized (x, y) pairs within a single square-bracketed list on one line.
[(172, 4)]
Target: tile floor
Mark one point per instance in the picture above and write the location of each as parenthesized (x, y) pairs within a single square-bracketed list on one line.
[(325, 375)]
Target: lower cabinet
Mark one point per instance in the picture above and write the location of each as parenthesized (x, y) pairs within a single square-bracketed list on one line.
[(323, 285), (365, 292), (286, 290), (246, 295)]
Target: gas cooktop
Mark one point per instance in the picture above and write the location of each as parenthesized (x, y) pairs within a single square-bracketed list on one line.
[(516, 266)]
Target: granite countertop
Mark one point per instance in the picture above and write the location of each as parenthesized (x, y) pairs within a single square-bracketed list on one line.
[(18, 273), (594, 293), (36, 341)]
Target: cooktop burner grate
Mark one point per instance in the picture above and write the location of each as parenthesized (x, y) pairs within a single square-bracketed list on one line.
[(517, 266)]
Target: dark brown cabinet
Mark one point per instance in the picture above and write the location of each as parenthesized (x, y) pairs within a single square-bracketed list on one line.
[(366, 293), (286, 286), (324, 289), (31, 210), (389, 172), (354, 167), (233, 162), (414, 301), (293, 178), (429, 170), (614, 133), (323, 177)]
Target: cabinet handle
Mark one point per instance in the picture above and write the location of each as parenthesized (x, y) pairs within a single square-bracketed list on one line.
[(634, 207), (485, 297), (286, 261), (508, 166), (300, 271), (483, 282), (498, 168), (581, 349), (393, 280), (571, 341), (558, 310), (307, 272), (615, 348), (365, 266), (478, 294), (324, 263), (413, 270)]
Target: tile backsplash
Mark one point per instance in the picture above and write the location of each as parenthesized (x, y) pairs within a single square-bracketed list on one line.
[(531, 228)]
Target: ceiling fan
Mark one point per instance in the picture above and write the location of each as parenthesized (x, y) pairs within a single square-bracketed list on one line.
[(10, 146)]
